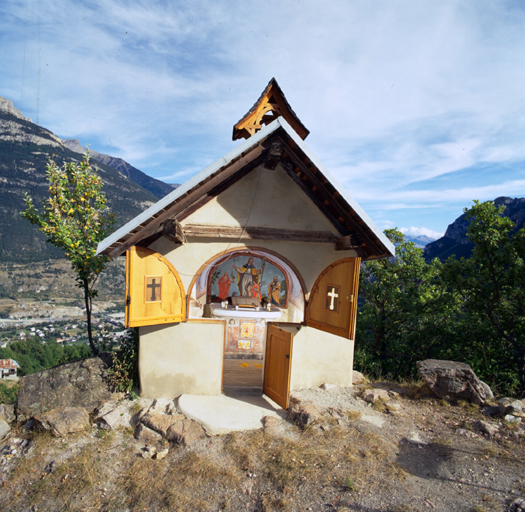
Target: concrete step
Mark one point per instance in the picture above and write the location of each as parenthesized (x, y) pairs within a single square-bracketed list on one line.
[(243, 391)]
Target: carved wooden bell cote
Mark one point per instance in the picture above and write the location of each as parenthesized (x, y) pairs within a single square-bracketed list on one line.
[(271, 104)]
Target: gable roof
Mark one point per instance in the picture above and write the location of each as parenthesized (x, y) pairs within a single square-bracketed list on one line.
[(6, 364), (280, 143), (271, 104)]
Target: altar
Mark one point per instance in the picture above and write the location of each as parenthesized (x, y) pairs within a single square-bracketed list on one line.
[(245, 329)]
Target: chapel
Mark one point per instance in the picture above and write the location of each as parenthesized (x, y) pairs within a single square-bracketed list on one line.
[(246, 276)]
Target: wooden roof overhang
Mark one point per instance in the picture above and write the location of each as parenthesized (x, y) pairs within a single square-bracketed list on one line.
[(275, 144)]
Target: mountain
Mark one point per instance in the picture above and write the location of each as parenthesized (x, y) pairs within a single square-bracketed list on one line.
[(455, 240), (158, 188), (421, 241), (24, 152)]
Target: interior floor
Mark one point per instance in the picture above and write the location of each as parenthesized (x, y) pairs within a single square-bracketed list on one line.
[(243, 373)]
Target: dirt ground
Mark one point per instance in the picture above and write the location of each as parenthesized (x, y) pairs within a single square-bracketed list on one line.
[(416, 454)]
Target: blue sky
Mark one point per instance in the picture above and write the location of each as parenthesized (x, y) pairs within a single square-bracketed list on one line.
[(417, 107)]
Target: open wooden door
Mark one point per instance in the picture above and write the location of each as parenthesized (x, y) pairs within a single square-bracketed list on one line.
[(278, 365), (154, 291), (333, 300)]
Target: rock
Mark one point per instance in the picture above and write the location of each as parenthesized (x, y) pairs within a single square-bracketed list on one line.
[(485, 427), (185, 431), (393, 407), (166, 405), (511, 406), (145, 434), (452, 380), (4, 429), (303, 414), (518, 505), (373, 395), (357, 377), (63, 421), (491, 410), (512, 420), (327, 386), (159, 421), (466, 433), (7, 413), (160, 455), (80, 384), (487, 389), (119, 416)]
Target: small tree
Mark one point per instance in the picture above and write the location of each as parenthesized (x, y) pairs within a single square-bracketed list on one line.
[(75, 219)]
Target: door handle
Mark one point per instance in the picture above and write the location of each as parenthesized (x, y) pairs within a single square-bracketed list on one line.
[(287, 356)]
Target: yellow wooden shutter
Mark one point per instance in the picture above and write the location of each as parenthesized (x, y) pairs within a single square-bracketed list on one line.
[(154, 290), (332, 306)]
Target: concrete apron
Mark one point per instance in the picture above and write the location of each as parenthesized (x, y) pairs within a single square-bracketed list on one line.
[(221, 414)]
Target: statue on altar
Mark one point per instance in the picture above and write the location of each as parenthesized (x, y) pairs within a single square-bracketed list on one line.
[(247, 276)]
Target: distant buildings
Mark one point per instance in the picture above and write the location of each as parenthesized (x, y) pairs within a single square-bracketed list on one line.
[(8, 368)]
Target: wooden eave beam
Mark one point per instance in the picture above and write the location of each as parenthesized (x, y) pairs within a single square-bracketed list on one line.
[(258, 233), (151, 226)]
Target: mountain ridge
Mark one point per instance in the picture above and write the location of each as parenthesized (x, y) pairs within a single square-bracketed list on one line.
[(24, 152), (455, 240)]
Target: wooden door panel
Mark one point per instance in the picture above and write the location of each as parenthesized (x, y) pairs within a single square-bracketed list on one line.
[(277, 365), (332, 306), (154, 291)]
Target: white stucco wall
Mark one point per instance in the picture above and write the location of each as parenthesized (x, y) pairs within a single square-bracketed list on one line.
[(277, 203), (181, 358), (320, 357), (263, 198)]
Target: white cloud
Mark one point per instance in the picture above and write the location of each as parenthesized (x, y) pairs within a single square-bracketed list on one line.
[(395, 94), (413, 231)]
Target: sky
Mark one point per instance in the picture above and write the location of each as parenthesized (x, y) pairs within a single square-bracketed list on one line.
[(417, 107)]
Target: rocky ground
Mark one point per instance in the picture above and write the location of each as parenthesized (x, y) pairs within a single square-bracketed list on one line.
[(408, 451)]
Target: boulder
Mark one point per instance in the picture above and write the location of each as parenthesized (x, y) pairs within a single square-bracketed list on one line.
[(491, 410), (303, 414), (119, 415), (4, 429), (452, 380), (7, 413), (518, 505), (485, 427), (160, 422), (373, 395), (512, 420), (146, 435), (61, 422), (511, 406), (357, 377), (487, 389), (82, 383), (185, 431)]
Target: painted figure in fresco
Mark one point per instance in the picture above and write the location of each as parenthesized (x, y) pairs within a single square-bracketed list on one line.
[(256, 291), (224, 286), (273, 291), (247, 275)]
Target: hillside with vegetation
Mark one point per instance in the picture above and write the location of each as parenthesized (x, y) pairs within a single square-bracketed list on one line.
[(465, 309)]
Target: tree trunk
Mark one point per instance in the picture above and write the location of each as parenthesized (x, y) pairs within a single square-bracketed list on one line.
[(87, 300)]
